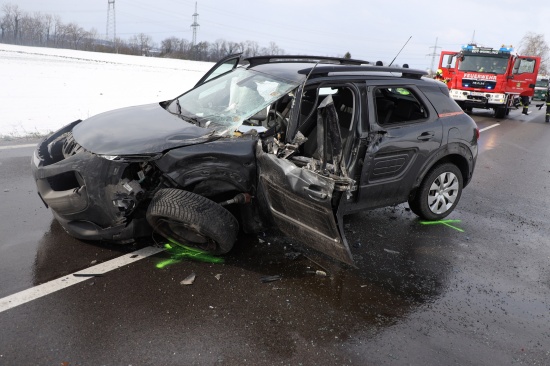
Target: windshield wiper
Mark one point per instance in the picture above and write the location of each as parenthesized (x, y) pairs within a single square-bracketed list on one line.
[(198, 121)]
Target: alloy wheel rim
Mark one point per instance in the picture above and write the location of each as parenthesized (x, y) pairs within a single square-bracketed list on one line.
[(443, 193)]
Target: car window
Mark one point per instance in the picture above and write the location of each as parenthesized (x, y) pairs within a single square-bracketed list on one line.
[(226, 102), (398, 104)]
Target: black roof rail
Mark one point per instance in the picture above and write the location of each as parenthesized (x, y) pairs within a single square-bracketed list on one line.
[(324, 70), (259, 60)]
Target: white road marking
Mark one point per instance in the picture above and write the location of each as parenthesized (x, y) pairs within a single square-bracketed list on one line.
[(16, 146), (488, 128), (47, 288)]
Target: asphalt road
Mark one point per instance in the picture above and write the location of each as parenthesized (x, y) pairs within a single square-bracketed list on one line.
[(473, 292)]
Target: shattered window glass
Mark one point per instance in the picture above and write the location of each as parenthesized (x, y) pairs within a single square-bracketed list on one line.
[(224, 103)]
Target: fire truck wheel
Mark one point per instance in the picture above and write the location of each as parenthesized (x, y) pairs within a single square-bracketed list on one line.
[(500, 112)]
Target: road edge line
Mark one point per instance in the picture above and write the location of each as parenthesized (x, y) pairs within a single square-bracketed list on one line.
[(489, 127), (47, 288)]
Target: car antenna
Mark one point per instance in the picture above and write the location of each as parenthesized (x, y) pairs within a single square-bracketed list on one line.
[(400, 51)]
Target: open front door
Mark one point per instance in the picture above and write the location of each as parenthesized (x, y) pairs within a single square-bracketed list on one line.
[(300, 199), (447, 64), (524, 75), (223, 66)]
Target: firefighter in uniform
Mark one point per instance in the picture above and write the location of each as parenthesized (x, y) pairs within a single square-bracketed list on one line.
[(439, 75), (524, 101)]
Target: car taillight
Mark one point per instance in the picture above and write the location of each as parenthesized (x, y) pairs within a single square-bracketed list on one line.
[(477, 133)]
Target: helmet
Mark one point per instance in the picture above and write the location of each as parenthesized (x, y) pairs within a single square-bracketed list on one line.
[(439, 72)]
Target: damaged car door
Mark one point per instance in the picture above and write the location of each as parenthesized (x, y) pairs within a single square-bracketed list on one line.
[(303, 194)]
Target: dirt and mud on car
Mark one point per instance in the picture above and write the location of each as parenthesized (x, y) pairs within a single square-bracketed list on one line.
[(291, 142)]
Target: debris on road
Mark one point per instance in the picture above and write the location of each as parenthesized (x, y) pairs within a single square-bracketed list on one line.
[(189, 279), (320, 273), (292, 255), (218, 276), (390, 251), (267, 279)]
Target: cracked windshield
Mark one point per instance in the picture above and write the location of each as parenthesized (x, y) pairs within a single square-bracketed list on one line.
[(224, 103)]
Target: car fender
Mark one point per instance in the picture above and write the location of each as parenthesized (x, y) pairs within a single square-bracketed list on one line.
[(456, 152), (212, 168)]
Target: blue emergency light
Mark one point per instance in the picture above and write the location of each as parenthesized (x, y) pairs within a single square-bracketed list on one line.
[(505, 49)]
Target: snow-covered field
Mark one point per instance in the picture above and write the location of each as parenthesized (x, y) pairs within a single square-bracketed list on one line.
[(42, 89)]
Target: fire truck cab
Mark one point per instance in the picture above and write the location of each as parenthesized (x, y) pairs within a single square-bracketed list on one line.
[(481, 77)]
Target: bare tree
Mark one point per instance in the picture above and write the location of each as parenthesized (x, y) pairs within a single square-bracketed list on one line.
[(533, 44), (75, 34), (11, 22), (141, 44), (48, 23), (252, 48)]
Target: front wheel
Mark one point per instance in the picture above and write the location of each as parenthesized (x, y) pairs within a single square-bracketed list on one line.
[(500, 112), (438, 193), (192, 220)]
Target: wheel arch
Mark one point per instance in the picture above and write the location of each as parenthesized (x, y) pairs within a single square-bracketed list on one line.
[(454, 153)]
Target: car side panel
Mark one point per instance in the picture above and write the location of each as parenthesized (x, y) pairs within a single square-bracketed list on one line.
[(395, 155)]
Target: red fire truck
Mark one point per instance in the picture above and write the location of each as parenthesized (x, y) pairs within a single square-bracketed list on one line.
[(480, 77)]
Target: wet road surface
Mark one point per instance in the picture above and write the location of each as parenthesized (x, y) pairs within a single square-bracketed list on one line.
[(472, 291)]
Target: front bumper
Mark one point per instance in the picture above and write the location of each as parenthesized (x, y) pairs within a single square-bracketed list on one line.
[(475, 99), (91, 197)]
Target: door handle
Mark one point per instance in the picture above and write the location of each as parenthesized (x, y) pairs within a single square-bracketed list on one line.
[(428, 135), (315, 192)]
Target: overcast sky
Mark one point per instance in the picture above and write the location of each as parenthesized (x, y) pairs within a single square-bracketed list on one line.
[(369, 30)]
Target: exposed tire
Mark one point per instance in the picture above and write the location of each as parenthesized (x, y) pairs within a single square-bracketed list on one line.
[(192, 220), (438, 193)]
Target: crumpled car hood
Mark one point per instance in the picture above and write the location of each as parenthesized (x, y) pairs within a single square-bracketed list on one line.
[(143, 129)]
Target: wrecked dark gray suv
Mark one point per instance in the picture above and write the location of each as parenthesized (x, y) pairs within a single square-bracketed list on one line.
[(291, 142)]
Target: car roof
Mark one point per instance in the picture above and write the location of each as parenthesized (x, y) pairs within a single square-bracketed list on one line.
[(297, 68)]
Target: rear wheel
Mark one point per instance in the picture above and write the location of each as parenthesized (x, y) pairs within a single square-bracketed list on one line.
[(439, 193), (192, 220)]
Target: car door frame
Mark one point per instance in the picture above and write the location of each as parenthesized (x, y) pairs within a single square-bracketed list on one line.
[(305, 204), (232, 60)]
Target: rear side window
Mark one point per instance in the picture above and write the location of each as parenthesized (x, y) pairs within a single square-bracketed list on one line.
[(397, 104), (440, 99)]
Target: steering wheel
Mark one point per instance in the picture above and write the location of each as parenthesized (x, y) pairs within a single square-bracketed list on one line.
[(275, 118)]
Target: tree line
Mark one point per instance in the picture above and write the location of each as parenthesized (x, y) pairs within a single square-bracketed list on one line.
[(46, 30)]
